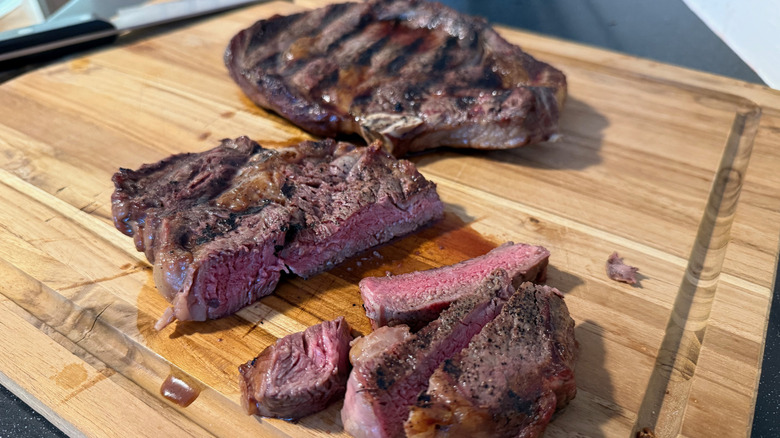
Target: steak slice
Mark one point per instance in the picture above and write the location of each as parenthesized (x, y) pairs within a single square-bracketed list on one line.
[(222, 225), (300, 374), (510, 379), (411, 73), (418, 297), (390, 372)]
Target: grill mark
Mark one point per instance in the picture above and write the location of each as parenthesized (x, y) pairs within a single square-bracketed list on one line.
[(273, 61), (260, 37), (275, 28), (401, 60), (314, 26), (489, 78), (335, 11), (443, 56), (220, 227), (365, 19), (268, 63), (426, 55), (328, 80), (360, 101), (364, 58), (501, 98)]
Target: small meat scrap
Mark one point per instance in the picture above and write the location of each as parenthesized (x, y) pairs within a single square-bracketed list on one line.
[(619, 271), (300, 374)]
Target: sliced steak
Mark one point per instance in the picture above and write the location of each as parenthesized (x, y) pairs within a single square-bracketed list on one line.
[(298, 375), (221, 226), (510, 379), (390, 372), (412, 73), (417, 298)]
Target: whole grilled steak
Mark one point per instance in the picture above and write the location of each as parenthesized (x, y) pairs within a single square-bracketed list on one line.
[(412, 73), (298, 375), (510, 379), (418, 297), (390, 372), (220, 226)]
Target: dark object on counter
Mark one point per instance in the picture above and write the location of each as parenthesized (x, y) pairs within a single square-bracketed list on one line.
[(300, 374), (510, 379), (619, 271), (19, 420), (222, 225), (645, 432), (392, 366), (417, 298), (70, 28), (411, 73)]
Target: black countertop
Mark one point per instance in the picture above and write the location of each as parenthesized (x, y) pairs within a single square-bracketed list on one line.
[(663, 30), (17, 419)]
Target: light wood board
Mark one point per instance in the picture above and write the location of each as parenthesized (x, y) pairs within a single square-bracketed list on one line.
[(674, 169)]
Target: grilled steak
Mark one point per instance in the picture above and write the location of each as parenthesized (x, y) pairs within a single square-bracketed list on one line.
[(390, 372), (222, 225), (417, 298), (511, 377), (412, 73), (300, 374)]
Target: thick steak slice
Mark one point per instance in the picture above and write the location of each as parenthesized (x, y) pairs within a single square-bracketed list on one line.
[(510, 379), (418, 297), (359, 200), (389, 373), (412, 73), (220, 226), (298, 375)]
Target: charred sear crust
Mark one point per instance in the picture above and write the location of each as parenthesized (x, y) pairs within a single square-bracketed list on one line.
[(510, 379), (384, 386), (221, 226), (410, 73)]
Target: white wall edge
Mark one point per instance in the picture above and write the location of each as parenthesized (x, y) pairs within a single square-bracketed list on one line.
[(751, 28)]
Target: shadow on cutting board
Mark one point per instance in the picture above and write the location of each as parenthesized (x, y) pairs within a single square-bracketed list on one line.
[(562, 280), (594, 406), (582, 132)]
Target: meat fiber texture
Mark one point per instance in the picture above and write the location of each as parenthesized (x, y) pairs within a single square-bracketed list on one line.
[(298, 375), (221, 226), (510, 379), (391, 366), (418, 297), (411, 73)]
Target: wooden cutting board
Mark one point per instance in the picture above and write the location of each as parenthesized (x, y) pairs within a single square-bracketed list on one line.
[(674, 169)]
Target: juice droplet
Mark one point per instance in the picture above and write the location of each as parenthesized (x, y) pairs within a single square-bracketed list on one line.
[(179, 391)]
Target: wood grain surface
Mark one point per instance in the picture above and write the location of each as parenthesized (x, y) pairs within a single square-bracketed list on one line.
[(674, 169)]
